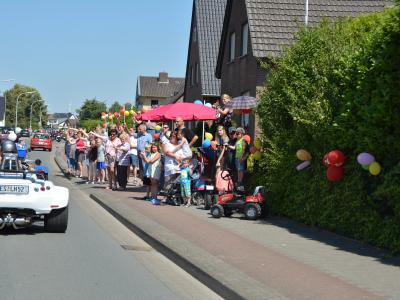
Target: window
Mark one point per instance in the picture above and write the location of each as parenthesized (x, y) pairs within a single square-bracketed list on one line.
[(191, 76), (245, 38), (197, 73), (232, 43), (194, 34), (154, 103)]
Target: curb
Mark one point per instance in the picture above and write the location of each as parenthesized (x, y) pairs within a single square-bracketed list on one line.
[(195, 271)]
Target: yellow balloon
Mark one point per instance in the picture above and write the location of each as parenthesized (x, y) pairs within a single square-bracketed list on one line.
[(303, 155), (103, 117), (157, 127), (257, 155), (126, 113), (208, 136), (132, 112), (110, 118), (257, 143), (375, 168)]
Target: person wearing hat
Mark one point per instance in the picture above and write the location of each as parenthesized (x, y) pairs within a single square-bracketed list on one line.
[(240, 155)]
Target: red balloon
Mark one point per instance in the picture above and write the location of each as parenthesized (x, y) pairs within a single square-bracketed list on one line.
[(247, 138), (156, 136), (336, 158), (104, 125), (116, 115), (103, 113), (109, 114), (335, 173), (122, 110)]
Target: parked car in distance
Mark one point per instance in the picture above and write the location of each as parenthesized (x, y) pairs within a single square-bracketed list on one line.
[(41, 141), (25, 133)]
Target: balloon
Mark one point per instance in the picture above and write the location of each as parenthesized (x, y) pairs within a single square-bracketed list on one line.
[(122, 110), (375, 168), (208, 136), (116, 115), (365, 167), (18, 130), (257, 155), (303, 165), (253, 150), (104, 125), (365, 158), (103, 113), (126, 113), (247, 138), (132, 112), (336, 158), (110, 114), (110, 118), (206, 144), (157, 127), (12, 136), (199, 102), (145, 109), (156, 136), (208, 105), (103, 117), (246, 111), (335, 173), (303, 155), (257, 143), (213, 146)]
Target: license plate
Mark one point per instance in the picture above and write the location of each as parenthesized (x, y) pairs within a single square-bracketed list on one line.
[(209, 187), (14, 189), (41, 143)]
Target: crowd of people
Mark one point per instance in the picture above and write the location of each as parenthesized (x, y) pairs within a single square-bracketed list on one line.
[(155, 159)]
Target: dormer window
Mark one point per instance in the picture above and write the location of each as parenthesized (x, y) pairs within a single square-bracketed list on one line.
[(232, 44)]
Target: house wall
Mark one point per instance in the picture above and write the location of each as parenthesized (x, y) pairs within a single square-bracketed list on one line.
[(193, 92), (146, 101), (240, 75)]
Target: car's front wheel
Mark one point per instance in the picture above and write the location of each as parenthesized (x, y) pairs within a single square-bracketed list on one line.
[(57, 220)]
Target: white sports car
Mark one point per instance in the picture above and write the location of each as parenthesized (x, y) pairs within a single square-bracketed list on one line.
[(25, 199)]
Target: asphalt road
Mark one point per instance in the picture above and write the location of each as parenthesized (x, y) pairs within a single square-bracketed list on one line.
[(97, 258)]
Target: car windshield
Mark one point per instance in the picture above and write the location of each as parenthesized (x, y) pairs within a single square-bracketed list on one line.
[(41, 136)]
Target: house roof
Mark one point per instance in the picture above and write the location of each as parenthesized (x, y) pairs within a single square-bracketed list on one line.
[(273, 23), (209, 21), (149, 86), (57, 116)]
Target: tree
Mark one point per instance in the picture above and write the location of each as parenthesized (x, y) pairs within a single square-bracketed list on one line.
[(115, 107), (91, 109), (24, 107)]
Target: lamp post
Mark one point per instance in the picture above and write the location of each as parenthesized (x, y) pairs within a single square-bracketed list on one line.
[(5, 100), (30, 116), (16, 105)]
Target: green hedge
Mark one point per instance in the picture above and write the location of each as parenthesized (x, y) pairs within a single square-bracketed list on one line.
[(338, 87)]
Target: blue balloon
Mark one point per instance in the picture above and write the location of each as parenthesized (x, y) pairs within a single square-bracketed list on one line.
[(206, 144), (198, 102), (208, 104)]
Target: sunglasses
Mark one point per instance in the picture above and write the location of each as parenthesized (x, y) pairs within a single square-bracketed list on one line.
[(165, 127)]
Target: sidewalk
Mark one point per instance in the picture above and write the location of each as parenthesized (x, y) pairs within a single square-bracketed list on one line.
[(266, 259)]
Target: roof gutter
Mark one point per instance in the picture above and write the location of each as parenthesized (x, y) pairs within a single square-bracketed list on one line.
[(306, 16)]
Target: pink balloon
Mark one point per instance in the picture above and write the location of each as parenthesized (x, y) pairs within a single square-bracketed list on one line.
[(303, 165)]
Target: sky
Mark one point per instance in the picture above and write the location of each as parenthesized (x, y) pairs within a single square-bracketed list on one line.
[(72, 50)]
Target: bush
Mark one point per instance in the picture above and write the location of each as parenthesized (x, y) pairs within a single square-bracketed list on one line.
[(337, 88)]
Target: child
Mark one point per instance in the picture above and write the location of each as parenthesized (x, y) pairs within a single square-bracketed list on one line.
[(241, 155), (185, 173), (146, 178), (222, 185), (101, 161), (41, 168), (187, 152), (92, 159)]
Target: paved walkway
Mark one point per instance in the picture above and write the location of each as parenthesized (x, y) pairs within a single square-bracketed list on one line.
[(266, 259)]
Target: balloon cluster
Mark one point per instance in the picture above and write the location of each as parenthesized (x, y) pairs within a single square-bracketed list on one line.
[(110, 116), (304, 156), (334, 161), (199, 102), (367, 161)]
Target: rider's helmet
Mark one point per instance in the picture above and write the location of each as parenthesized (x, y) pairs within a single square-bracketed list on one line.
[(8, 147)]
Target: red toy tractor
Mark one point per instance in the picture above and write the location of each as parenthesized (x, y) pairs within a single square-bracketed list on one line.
[(253, 206)]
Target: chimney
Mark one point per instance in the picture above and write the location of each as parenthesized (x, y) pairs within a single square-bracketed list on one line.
[(163, 77)]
